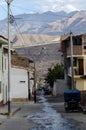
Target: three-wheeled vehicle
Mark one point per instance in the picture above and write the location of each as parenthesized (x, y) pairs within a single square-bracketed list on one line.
[(72, 100)]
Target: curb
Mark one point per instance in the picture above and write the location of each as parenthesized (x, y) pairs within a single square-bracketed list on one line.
[(12, 113)]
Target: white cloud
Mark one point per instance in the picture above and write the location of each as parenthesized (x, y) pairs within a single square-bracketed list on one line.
[(57, 5), (27, 6), (70, 7), (2, 3), (51, 5)]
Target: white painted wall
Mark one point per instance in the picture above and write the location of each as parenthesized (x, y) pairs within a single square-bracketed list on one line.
[(19, 83), (5, 78)]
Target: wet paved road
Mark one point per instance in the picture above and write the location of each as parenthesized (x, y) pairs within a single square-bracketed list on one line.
[(49, 119)]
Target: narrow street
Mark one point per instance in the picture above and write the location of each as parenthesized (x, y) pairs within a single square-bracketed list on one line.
[(47, 114), (49, 119)]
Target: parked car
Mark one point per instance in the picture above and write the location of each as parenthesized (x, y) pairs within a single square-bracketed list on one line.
[(46, 91), (72, 100)]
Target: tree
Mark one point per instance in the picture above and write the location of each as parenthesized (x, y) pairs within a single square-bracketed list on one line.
[(53, 74)]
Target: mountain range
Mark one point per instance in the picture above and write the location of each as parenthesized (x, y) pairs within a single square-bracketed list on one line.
[(34, 35), (50, 23)]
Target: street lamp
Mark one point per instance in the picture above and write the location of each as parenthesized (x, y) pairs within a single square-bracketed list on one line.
[(9, 55)]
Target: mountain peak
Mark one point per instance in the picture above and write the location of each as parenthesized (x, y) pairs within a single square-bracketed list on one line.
[(50, 23)]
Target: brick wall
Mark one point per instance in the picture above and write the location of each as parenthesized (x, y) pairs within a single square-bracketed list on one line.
[(77, 50)]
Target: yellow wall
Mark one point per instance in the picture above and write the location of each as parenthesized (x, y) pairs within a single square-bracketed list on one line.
[(85, 66), (84, 84), (80, 84)]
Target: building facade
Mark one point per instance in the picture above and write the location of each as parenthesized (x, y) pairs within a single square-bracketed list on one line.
[(3, 42), (21, 82), (22, 77), (79, 60)]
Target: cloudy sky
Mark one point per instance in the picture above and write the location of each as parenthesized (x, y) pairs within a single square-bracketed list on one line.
[(33, 6)]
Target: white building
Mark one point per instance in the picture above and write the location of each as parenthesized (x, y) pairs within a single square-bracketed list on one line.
[(19, 83), (21, 72)]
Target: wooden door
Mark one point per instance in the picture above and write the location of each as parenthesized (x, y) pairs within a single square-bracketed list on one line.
[(81, 70)]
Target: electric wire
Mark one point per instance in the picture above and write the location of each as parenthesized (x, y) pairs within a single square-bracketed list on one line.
[(3, 8), (22, 39), (22, 8), (22, 36), (17, 30), (45, 13), (66, 30)]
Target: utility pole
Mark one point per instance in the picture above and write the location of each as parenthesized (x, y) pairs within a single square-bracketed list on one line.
[(72, 74), (35, 82), (9, 56)]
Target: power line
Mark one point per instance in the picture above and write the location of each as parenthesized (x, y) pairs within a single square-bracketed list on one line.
[(50, 14), (22, 8), (17, 29), (66, 30), (3, 8)]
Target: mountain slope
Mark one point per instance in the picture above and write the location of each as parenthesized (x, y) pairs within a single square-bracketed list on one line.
[(44, 56), (26, 40), (35, 44), (51, 23)]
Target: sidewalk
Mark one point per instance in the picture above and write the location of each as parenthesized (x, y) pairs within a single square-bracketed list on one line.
[(20, 111), (13, 108)]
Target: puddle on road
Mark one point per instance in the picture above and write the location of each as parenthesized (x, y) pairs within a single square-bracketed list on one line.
[(49, 119)]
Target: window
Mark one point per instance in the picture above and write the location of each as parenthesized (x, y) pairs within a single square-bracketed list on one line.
[(77, 41)]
